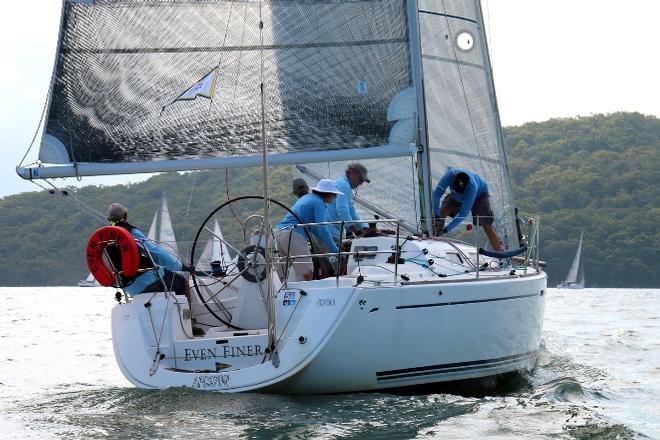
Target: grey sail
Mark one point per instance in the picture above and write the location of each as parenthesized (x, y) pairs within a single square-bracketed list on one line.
[(462, 118), (359, 80), (459, 113), (118, 75)]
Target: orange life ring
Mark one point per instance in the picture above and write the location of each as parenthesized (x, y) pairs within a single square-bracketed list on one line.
[(120, 244)]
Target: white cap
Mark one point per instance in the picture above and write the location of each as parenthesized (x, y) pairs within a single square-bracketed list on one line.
[(327, 186)]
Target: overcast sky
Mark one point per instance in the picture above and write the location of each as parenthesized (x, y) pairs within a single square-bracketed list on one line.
[(551, 58)]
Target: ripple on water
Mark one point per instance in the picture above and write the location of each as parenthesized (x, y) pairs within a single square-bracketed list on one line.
[(586, 386)]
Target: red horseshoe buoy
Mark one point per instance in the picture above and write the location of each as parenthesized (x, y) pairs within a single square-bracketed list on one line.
[(122, 250)]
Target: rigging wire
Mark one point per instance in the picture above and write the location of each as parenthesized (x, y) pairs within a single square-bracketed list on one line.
[(490, 39), (76, 201)]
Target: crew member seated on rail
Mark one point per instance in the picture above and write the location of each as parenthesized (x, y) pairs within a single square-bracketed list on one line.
[(169, 266), (310, 208)]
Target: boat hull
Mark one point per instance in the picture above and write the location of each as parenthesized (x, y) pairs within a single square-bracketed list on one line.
[(369, 338), (416, 335)]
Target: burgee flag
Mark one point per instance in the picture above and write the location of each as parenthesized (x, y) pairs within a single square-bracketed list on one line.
[(205, 87)]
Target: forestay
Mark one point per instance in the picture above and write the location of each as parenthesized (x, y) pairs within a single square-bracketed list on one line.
[(330, 72)]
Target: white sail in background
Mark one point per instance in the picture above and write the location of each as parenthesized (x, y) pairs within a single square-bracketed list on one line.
[(215, 250), (575, 277), (161, 230), (90, 281)]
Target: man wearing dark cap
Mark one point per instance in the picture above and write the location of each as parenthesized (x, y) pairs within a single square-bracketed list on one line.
[(299, 187), (168, 265), (342, 209), (469, 193)]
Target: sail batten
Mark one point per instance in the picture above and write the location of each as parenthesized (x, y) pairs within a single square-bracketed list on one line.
[(211, 49)]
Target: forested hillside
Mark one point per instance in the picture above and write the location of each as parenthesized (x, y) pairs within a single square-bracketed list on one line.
[(597, 174), (600, 175)]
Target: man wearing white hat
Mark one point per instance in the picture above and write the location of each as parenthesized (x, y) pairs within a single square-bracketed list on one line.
[(310, 208), (342, 209)]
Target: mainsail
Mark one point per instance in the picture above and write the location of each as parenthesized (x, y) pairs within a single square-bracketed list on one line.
[(161, 230), (405, 80), (327, 65)]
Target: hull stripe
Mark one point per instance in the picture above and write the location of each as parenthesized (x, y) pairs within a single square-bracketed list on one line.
[(454, 303), (453, 367)]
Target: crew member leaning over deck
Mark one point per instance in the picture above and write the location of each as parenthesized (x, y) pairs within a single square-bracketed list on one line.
[(468, 193), (310, 208)]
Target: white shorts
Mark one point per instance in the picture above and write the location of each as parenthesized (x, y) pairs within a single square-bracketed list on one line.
[(298, 246)]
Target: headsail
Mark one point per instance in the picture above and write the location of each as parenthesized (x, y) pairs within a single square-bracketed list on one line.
[(331, 70), (462, 118), (459, 115)]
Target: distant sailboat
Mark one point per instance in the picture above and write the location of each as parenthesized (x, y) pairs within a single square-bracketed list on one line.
[(214, 251), (575, 277), (161, 230), (90, 281)]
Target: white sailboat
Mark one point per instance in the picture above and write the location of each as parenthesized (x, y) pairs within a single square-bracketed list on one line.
[(90, 281), (215, 252), (404, 86), (575, 277), (161, 230)]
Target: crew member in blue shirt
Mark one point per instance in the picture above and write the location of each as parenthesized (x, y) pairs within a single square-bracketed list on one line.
[(469, 192), (342, 209), (169, 266), (310, 208)]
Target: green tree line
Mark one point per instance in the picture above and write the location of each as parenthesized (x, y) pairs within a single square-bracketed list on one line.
[(597, 174)]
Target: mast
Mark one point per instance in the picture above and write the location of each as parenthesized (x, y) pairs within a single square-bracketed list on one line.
[(421, 134)]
